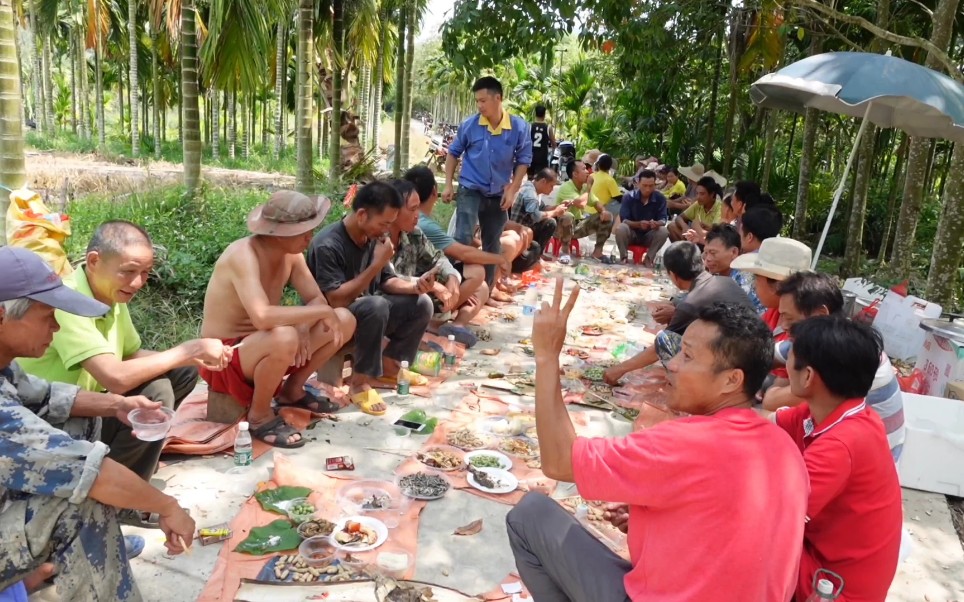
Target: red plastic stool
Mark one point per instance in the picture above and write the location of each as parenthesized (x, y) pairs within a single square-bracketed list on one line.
[(555, 244), (638, 253)]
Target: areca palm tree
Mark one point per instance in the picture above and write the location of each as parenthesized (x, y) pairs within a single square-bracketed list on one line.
[(12, 172), (189, 99), (303, 95), (134, 83)]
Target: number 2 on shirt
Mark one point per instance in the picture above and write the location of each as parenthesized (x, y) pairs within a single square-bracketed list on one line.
[(537, 140)]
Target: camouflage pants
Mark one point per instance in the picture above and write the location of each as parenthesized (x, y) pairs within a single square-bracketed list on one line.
[(83, 541), (568, 229)]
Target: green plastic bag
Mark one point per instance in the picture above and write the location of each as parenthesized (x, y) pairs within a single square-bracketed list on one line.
[(270, 498), (278, 536), (420, 417)]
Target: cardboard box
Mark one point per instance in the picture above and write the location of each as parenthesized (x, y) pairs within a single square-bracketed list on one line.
[(933, 454), (955, 390), (898, 321), (941, 360)]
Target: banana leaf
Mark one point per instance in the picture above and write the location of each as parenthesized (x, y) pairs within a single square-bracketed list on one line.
[(278, 536), (270, 498)]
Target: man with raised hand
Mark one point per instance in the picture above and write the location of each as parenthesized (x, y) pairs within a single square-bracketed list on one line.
[(721, 484)]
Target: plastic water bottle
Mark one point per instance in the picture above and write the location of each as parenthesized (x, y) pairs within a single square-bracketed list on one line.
[(449, 355), (658, 268), (242, 446), (529, 304), (824, 592), (582, 515), (403, 384)]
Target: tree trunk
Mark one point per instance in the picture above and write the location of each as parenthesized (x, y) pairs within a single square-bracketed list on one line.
[(73, 82), (190, 119), (215, 96), (99, 82), (399, 88), (378, 85), (305, 181), (35, 79), (134, 83), (84, 78), (338, 82), (13, 173), (737, 47), (246, 122), (854, 252), (409, 75), (947, 254), (770, 137), (810, 122), (918, 157), (264, 125), (120, 103), (895, 183), (232, 124), (280, 73), (714, 95), (48, 107), (156, 105), (364, 102)]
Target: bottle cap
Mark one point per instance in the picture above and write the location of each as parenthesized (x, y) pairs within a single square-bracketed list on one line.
[(404, 365), (451, 337), (824, 586), (243, 426)]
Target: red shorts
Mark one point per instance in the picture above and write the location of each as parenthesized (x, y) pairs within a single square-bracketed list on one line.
[(231, 380)]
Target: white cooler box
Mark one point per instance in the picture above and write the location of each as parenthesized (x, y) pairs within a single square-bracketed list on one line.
[(933, 455)]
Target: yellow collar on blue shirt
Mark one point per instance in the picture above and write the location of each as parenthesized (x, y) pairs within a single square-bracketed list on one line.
[(505, 124)]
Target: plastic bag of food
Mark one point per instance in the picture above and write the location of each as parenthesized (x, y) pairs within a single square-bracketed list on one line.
[(33, 226), (427, 363)]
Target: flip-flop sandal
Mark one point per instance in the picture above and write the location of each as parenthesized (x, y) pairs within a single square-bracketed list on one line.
[(282, 431), (136, 518), (318, 404), (414, 379), (366, 399), (462, 334)]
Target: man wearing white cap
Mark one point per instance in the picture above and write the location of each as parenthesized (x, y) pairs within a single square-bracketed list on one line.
[(58, 489), (243, 308), (777, 258)]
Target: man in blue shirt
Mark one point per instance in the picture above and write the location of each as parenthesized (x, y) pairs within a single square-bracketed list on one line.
[(496, 151), (643, 219)]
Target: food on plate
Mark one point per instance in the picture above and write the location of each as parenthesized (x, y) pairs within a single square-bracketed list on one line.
[(484, 479), (466, 439), (295, 568), (485, 461), (317, 526), (593, 373), (376, 502), (592, 330), (356, 534), (439, 458), (423, 485), (520, 446)]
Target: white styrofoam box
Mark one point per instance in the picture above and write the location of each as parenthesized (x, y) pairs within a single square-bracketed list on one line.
[(865, 289), (898, 321), (933, 455), (941, 361)]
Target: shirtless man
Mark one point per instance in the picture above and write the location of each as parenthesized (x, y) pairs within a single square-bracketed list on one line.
[(243, 307)]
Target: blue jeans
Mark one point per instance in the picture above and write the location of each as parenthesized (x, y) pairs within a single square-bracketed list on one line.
[(472, 208)]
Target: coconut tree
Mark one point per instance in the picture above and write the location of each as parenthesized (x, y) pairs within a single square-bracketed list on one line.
[(12, 171), (190, 117), (134, 83)]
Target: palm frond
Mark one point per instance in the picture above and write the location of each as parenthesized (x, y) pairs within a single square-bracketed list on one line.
[(233, 56)]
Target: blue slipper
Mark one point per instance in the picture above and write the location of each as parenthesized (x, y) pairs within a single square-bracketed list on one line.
[(462, 334), (133, 545)]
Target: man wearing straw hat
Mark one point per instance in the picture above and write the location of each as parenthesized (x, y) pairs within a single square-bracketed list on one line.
[(243, 307)]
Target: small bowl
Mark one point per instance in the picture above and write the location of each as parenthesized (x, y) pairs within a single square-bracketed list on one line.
[(391, 564), (311, 524), (619, 425), (412, 469), (352, 497), (151, 424), (317, 551), (354, 563), (299, 518)]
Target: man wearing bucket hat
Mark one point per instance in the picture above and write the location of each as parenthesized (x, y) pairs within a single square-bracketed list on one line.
[(777, 258), (59, 491), (243, 307), (105, 353)]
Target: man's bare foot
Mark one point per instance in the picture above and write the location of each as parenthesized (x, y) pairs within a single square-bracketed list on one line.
[(493, 303), (597, 254), (35, 580), (500, 296)]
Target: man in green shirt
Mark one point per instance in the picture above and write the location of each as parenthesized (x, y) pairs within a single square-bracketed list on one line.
[(105, 354), (572, 224)]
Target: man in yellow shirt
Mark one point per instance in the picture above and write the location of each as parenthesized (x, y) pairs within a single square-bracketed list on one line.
[(105, 353), (598, 222), (701, 215)]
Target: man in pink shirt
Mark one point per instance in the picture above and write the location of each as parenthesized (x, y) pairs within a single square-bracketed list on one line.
[(854, 511), (715, 501)]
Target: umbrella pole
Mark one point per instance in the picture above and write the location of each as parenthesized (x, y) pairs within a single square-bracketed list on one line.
[(840, 188)]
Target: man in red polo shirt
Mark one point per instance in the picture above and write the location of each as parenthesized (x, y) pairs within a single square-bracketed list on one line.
[(715, 501), (854, 511)]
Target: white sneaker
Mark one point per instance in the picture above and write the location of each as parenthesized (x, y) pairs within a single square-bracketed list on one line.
[(565, 259)]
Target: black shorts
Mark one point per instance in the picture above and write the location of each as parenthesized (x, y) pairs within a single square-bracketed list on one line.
[(536, 166)]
